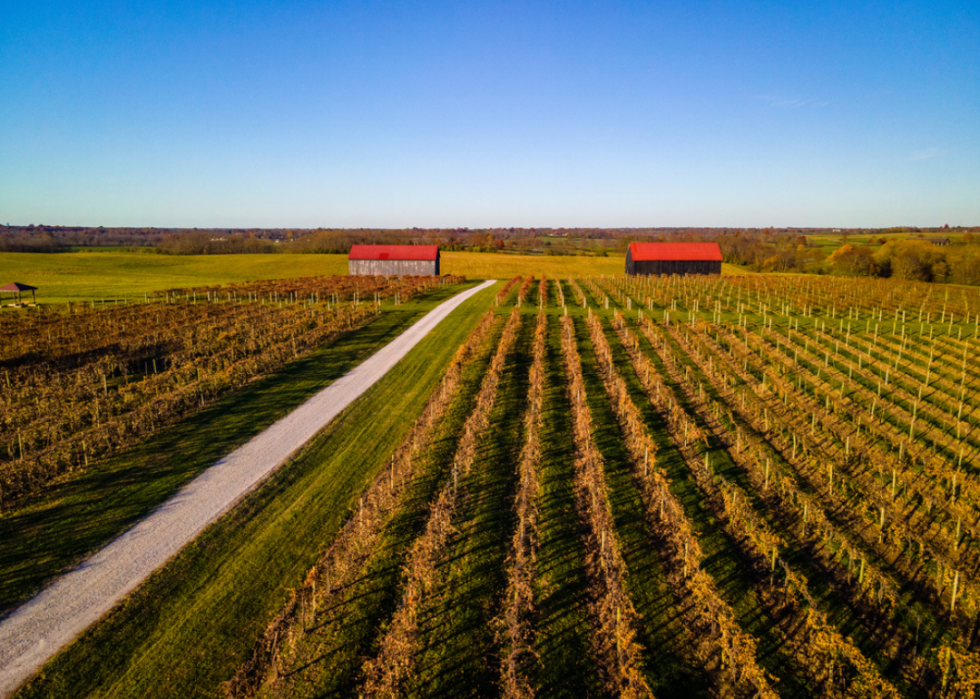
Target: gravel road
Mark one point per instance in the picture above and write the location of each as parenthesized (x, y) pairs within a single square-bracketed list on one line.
[(34, 632)]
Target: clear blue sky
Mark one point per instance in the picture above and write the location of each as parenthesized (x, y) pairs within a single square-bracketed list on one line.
[(477, 114)]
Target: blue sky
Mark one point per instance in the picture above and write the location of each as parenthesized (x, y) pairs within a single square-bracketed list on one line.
[(474, 114)]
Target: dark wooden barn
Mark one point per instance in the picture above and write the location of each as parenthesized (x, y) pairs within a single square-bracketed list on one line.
[(393, 260), (673, 258)]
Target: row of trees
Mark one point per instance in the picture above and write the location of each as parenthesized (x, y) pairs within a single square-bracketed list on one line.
[(916, 260), (912, 259), (27, 242)]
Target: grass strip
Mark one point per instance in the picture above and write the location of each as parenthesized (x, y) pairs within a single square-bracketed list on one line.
[(722, 561), (671, 671), (515, 629), (669, 655), (323, 658), (869, 626), (566, 666), (457, 642)]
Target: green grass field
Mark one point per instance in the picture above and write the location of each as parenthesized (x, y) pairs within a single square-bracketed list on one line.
[(80, 276), (832, 241), (120, 275)]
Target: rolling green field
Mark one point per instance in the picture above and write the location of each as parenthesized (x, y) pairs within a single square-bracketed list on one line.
[(121, 275), (81, 276), (832, 241)]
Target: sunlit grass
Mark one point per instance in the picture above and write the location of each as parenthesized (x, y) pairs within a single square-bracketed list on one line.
[(482, 265), (80, 276), (120, 275)]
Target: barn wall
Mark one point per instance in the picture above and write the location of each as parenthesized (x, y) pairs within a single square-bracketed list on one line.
[(630, 265), (679, 267), (392, 268)]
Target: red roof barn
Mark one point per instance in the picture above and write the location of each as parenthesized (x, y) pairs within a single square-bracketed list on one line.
[(392, 260), (673, 258)]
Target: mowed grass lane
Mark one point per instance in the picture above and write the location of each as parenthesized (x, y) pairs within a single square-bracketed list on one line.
[(326, 660), (193, 623), (458, 651), (563, 633), (671, 669), (722, 561), (722, 558)]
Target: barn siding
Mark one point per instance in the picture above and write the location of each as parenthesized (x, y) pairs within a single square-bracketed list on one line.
[(393, 268), (630, 265), (666, 267)]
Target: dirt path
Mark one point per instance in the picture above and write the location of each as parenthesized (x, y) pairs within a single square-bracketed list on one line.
[(34, 632)]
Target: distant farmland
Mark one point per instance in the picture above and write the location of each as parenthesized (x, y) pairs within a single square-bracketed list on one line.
[(115, 276)]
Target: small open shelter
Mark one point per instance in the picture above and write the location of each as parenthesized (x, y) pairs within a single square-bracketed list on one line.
[(19, 289)]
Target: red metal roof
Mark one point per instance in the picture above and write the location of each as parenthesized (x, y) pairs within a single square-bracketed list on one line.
[(676, 251), (17, 286), (394, 252)]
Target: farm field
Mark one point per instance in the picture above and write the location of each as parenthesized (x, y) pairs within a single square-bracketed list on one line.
[(327, 474), (111, 276), (504, 266), (119, 275), (831, 241), (604, 486)]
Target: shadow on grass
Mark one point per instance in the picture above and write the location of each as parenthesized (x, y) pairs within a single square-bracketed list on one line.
[(363, 624), (668, 658), (723, 562), (567, 664), (189, 627), (460, 656)]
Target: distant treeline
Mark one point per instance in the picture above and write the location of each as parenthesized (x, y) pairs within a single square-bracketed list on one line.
[(59, 238), (744, 245), (914, 257), (27, 242), (879, 252)]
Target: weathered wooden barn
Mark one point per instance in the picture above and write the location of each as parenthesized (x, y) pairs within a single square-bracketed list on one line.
[(673, 258), (393, 260)]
